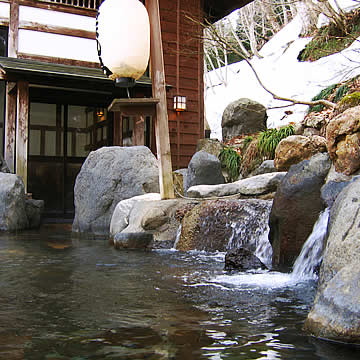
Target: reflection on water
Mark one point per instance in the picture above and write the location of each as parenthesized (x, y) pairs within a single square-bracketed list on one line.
[(66, 298)]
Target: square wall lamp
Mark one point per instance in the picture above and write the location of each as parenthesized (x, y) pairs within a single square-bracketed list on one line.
[(179, 103)]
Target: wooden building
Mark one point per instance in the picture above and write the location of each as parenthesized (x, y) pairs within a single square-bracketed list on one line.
[(54, 96)]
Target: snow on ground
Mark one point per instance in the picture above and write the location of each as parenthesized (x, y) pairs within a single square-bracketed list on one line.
[(282, 73)]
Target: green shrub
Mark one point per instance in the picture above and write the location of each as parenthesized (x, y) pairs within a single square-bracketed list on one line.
[(322, 95), (230, 160), (247, 141), (270, 138), (341, 92)]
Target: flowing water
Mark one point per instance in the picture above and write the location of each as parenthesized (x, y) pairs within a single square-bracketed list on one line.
[(66, 298)]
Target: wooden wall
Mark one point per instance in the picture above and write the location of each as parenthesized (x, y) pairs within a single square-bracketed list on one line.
[(184, 72), (182, 54)]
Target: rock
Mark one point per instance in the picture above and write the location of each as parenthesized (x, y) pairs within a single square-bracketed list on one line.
[(311, 132), (314, 120), (13, 215), (220, 225), (132, 240), (331, 190), (34, 210), (297, 148), (109, 175), (3, 166), (212, 146), (343, 141), (203, 168), (333, 175), (296, 207), (254, 186), (179, 179), (144, 215), (120, 218), (266, 167), (242, 260), (343, 240), (336, 312), (243, 116)]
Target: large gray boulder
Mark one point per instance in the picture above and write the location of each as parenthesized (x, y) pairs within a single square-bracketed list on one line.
[(336, 311), (296, 207), (13, 215), (243, 116), (109, 175), (203, 169)]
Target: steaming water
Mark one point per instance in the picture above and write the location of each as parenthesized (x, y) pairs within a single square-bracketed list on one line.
[(67, 299)]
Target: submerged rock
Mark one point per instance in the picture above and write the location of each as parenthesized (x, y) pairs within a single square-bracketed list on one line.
[(296, 208), (336, 311), (241, 259), (109, 175), (138, 240)]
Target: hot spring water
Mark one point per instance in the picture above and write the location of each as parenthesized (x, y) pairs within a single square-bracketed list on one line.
[(69, 299)]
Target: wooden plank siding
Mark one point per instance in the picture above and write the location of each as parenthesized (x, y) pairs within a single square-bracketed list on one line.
[(183, 68)]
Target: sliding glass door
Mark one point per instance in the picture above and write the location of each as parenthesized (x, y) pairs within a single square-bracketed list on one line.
[(60, 138)]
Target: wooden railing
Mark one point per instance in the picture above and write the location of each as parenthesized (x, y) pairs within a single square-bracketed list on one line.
[(83, 4)]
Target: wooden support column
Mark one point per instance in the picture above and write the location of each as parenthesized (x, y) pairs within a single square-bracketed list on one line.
[(10, 119), (159, 92), (13, 29), (22, 126)]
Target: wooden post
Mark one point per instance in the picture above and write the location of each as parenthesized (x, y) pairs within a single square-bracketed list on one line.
[(159, 91), (10, 118), (13, 29), (22, 126)]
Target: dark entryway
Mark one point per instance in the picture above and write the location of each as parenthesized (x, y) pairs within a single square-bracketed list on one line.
[(60, 137)]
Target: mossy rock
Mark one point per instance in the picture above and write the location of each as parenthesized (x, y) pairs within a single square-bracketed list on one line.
[(348, 101)]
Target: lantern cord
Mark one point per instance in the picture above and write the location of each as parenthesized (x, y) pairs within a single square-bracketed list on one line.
[(105, 69)]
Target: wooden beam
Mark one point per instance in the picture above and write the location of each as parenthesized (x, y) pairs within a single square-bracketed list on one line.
[(159, 91), (10, 118), (22, 125), (13, 29), (56, 60), (134, 106), (59, 30)]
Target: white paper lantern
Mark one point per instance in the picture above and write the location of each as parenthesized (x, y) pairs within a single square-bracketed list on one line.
[(124, 36)]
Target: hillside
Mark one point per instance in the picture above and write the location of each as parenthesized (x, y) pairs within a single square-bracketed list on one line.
[(282, 72)]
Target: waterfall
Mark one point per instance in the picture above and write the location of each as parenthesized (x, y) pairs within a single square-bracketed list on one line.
[(311, 254), (178, 234)]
